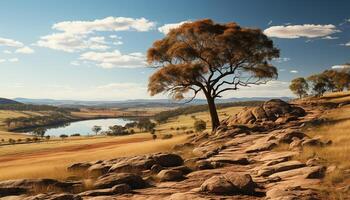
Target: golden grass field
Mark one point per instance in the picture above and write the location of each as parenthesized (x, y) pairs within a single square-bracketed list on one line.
[(50, 159), (337, 129)]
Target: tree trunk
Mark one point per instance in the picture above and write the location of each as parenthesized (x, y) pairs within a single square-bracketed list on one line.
[(215, 122)]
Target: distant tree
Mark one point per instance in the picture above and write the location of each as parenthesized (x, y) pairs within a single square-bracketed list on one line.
[(211, 58), (299, 86), (39, 132), (339, 80), (96, 129), (118, 130), (320, 84), (63, 136), (19, 140), (47, 137), (28, 140), (12, 141), (145, 124), (200, 125), (130, 125)]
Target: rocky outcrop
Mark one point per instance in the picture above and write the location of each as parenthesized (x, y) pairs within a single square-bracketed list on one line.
[(274, 110)]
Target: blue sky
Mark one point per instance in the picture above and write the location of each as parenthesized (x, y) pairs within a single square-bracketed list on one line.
[(94, 50)]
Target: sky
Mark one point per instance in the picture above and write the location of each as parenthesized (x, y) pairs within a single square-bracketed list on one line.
[(95, 50)]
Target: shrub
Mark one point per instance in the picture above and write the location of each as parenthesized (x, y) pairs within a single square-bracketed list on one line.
[(63, 136), (200, 125), (75, 135)]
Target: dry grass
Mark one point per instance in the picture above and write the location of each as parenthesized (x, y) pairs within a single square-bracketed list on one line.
[(336, 129), (52, 164), (50, 159)]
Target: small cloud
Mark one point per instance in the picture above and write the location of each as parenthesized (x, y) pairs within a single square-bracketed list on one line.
[(299, 31), (294, 71), (7, 51), (280, 60), (167, 27), (282, 70), (330, 38), (13, 60), (2, 60), (75, 63), (270, 22), (10, 42), (345, 66), (25, 50)]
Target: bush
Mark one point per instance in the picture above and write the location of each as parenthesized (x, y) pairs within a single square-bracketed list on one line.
[(63, 136), (200, 125), (75, 135)]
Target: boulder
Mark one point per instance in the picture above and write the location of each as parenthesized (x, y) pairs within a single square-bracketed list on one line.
[(283, 166), (109, 180), (170, 175), (168, 159), (132, 164), (117, 189), (265, 146), (229, 183)]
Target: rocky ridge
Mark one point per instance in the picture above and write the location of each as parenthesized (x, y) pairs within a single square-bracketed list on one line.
[(237, 161)]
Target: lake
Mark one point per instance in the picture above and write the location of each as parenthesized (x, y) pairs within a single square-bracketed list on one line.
[(84, 127)]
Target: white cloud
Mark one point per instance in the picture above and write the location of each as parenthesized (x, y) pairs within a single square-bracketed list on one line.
[(106, 24), (280, 60), (7, 51), (115, 59), (294, 71), (75, 63), (347, 44), (330, 38), (298, 31), (345, 66), (167, 27), (75, 35), (270, 22), (10, 42), (25, 50), (13, 60), (270, 89), (72, 43), (2, 60)]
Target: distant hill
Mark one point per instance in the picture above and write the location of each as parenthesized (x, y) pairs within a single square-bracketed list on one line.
[(4, 101), (136, 102)]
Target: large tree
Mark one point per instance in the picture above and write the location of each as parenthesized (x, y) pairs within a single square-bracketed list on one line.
[(299, 86), (211, 58)]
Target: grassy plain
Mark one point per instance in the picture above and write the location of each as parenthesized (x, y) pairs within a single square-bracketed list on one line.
[(50, 159)]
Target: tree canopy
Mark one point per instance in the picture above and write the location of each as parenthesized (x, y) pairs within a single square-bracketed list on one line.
[(211, 58)]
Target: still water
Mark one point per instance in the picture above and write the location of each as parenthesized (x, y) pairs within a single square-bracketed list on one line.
[(84, 127)]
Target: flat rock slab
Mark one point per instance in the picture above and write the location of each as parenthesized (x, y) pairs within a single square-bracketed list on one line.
[(232, 159), (283, 166), (305, 172)]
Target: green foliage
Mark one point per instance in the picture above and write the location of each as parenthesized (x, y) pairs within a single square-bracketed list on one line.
[(63, 136), (96, 129), (31, 107), (39, 132), (299, 86), (200, 125)]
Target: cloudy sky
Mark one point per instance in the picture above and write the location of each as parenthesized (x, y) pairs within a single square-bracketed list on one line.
[(94, 50)]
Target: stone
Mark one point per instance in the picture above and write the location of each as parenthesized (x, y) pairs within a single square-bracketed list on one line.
[(30, 185), (204, 164), (156, 168), (53, 196), (218, 185), (184, 169), (229, 183), (231, 159), (305, 172), (168, 160), (78, 167), (109, 180), (265, 146), (243, 182), (117, 189), (170, 175), (98, 170), (283, 166)]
